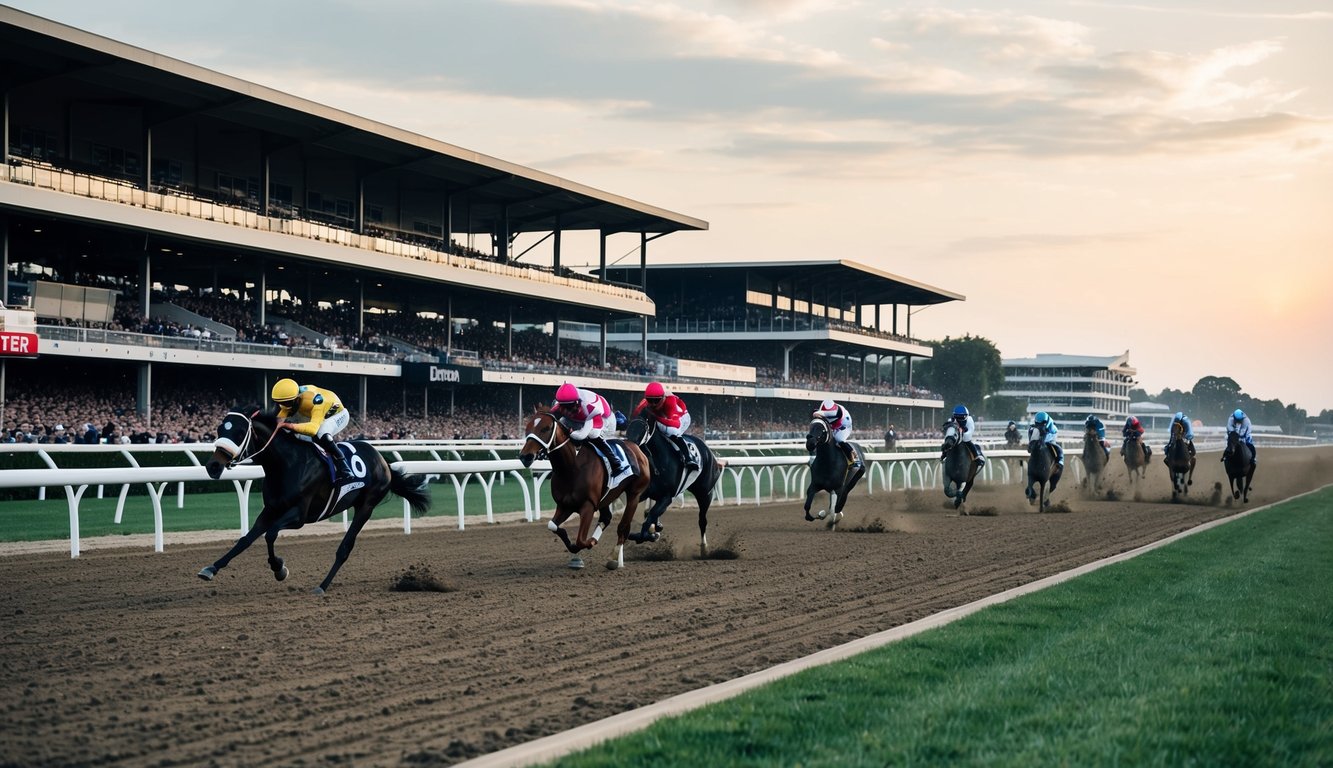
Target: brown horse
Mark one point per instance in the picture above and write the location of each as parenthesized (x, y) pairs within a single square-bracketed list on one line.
[(1180, 462), (1094, 460), (1136, 458), (579, 484)]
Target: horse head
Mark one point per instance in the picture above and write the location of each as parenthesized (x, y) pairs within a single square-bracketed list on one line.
[(818, 435), (640, 430), (543, 431), (243, 434), (950, 430)]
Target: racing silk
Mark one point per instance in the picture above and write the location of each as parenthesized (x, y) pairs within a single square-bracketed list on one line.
[(586, 418), (1189, 428), (968, 427), (1035, 432), (668, 413), (1129, 431), (839, 422), (317, 411), (1241, 428), (1100, 427)]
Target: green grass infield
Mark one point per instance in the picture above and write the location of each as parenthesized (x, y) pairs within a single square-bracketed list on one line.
[(1214, 651)]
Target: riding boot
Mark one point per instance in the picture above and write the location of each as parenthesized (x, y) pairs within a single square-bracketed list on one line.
[(1254, 456), (853, 457), (685, 458), (976, 454), (600, 444), (1190, 445), (342, 469)]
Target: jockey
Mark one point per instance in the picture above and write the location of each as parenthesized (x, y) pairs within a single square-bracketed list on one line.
[(317, 414), (1134, 428), (585, 414), (1044, 429), (840, 426), (1092, 422), (1239, 423), (671, 414), (1171, 430), (966, 429)]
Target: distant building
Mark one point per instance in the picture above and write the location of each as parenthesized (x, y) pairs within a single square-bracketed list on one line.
[(1155, 417), (1069, 387)]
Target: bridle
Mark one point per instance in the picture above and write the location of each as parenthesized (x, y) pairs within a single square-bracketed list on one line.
[(547, 449), (824, 430), (649, 429), (239, 454)]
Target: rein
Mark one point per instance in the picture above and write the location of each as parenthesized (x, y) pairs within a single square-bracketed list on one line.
[(241, 455), (547, 448)]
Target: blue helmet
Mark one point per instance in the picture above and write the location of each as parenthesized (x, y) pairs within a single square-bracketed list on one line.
[(1239, 415), (1041, 417), (1092, 419), (1180, 415), (960, 410)]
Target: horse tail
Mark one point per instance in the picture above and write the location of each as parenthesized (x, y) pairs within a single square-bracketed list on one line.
[(412, 488)]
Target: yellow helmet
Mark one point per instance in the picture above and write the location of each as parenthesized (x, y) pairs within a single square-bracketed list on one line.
[(286, 389)]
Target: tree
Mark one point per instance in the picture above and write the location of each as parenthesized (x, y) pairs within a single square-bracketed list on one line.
[(1004, 408), (963, 370), (1215, 397)]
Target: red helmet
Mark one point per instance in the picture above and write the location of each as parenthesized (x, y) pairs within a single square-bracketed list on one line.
[(568, 393), (654, 391)]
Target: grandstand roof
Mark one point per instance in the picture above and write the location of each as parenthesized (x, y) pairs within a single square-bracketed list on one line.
[(870, 285), (37, 50), (1056, 360)]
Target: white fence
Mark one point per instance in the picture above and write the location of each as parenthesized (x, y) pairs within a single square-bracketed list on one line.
[(781, 467)]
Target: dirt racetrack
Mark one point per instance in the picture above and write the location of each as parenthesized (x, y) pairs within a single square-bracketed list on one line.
[(123, 657)]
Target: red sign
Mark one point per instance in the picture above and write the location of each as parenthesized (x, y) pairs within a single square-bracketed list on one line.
[(13, 343)]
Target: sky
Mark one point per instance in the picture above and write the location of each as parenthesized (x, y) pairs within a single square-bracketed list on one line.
[(1094, 176)]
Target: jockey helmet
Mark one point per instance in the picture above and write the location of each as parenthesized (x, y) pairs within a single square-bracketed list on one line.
[(1042, 418), (1092, 419), (654, 392), (285, 390), (1239, 415), (960, 410), (1132, 421), (1180, 415), (1012, 424), (828, 405), (568, 393)]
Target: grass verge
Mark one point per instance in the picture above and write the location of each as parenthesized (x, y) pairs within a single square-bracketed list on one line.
[(1213, 651)]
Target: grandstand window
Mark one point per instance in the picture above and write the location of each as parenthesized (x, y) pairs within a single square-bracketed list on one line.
[(168, 173), (35, 144), (375, 213)]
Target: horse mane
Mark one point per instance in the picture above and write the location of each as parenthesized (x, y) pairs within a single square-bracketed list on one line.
[(541, 408)]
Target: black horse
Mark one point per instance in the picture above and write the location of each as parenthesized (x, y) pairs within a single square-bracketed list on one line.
[(1239, 462), (960, 469), (1043, 471), (670, 479), (299, 487), (830, 471)]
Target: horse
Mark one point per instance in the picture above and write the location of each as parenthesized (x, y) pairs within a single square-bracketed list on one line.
[(299, 487), (1179, 462), (1239, 463), (1094, 460), (1136, 462), (960, 469), (1043, 471), (830, 472), (670, 479), (579, 484)]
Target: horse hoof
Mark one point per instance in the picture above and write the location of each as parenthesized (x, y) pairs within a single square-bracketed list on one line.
[(808, 518), (576, 563), (207, 573), (612, 565), (280, 574), (317, 591), (822, 514)]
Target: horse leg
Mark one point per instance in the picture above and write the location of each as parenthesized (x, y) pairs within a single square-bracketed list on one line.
[(582, 540), (649, 530), (261, 524), (705, 501), (622, 531), (345, 548), (553, 525), (809, 499)]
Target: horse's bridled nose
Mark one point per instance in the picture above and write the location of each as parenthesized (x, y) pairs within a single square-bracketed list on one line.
[(526, 458)]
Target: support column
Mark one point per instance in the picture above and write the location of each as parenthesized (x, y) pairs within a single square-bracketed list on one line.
[(4, 260), (555, 327), (148, 160), (143, 396), (601, 235), (602, 358), (261, 287), (362, 392), (509, 333), (145, 283), (555, 257), (449, 326)]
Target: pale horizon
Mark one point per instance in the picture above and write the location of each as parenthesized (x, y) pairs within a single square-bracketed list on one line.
[(1154, 177)]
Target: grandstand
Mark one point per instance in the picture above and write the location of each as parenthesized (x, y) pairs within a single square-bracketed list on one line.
[(185, 238)]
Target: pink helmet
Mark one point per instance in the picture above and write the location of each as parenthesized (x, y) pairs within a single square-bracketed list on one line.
[(568, 393), (654, 391)]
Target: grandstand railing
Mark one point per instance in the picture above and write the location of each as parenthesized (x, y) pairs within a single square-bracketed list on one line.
[(47, 176), (130, 338), (781, 467)]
